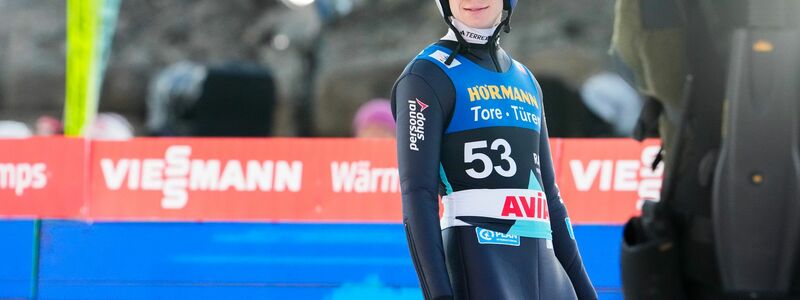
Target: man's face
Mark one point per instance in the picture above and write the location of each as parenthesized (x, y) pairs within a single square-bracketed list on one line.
[(479, 14)]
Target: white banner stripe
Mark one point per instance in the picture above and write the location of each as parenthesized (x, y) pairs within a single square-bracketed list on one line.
[(506, 204)]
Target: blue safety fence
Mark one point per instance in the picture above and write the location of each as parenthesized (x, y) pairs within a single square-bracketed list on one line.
[(17, 250), (235, 261)]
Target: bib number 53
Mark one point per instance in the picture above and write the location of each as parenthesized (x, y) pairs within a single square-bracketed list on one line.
[(488, 166)]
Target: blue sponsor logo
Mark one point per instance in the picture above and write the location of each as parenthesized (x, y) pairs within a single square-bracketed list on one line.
[(486, 236)]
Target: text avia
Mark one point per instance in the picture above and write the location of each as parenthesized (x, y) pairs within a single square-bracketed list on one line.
[(534, 207)]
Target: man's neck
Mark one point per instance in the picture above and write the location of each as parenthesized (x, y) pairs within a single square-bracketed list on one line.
[(471, 35)]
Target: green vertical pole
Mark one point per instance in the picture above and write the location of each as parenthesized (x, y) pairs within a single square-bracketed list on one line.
[(37, 230), (90, 28), (81, 96)]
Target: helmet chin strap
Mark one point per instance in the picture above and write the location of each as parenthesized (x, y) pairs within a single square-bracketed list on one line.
[(461, 42), (494, 41)]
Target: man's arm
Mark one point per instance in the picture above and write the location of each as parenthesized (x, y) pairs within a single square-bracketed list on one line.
[(564, 244), (420, 125)]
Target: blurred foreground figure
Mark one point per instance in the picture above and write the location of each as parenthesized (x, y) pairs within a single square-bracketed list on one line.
[(374, 120), (471, 127), (722, 80)]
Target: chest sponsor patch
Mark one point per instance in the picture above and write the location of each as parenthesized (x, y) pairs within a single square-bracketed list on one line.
[(440, 56)]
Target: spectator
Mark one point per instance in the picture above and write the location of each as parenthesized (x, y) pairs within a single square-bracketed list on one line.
[(106, 126), (232, 99), (568, 116), (173, 91), (48, 126), (14, 130), (374, 120), (110, 126), (612, 99)]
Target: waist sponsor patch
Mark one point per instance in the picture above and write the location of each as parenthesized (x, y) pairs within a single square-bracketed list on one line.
[(486, 236)]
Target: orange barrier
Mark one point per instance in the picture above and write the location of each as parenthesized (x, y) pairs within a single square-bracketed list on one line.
[(277, 180)]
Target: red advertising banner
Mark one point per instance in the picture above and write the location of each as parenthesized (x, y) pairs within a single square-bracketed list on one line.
[(603, 181), (42, 177), (287, 180), (278, 180)]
